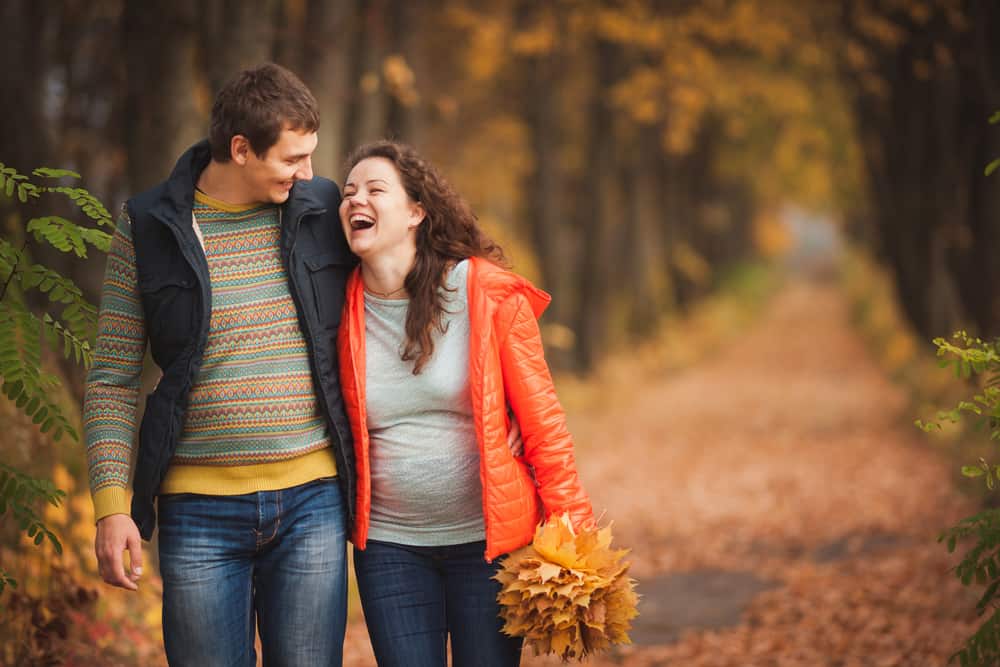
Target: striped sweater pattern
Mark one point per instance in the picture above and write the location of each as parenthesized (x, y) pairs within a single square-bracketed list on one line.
[(253, 401)]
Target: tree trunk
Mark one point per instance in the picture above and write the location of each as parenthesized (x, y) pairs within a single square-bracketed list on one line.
[(25, 37), (366, 110), (163, 84), (644, 261), (237, 35), (402, 101), (329, 45), (977, 241), (594, 216)]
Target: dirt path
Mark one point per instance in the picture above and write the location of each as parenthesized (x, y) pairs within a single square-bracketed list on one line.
[(779, 509)]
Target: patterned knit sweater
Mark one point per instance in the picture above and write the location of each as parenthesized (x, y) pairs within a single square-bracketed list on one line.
[(253, 422)]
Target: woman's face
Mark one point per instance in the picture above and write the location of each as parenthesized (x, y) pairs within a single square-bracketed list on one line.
[(377, 215)]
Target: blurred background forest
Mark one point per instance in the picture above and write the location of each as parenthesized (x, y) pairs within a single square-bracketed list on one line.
[(631, 156)]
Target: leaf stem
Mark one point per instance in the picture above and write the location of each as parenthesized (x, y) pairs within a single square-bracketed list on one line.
[(13, 269)]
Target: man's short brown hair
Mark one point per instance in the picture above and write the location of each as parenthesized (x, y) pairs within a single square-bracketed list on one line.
[(259, 103)]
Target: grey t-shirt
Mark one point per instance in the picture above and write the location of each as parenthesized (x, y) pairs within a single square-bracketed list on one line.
[(426, 489)]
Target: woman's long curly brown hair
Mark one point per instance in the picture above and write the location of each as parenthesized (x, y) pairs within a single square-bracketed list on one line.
[(448, 234)]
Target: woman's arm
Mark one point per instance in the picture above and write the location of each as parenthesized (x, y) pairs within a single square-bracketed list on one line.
[(548, 445)]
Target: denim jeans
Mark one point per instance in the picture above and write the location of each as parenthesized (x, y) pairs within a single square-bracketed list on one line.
[(414, 597), (272, 560)]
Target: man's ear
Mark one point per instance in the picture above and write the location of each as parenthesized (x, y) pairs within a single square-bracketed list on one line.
[(239, 149)]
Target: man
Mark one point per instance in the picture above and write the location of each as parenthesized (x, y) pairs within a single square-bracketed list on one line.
[(233, 270)]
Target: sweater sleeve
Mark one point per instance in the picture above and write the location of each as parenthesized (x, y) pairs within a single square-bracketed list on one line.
[(548, 445), (112, 388)]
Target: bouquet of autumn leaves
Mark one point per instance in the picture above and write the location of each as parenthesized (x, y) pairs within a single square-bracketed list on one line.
[(567, 593)]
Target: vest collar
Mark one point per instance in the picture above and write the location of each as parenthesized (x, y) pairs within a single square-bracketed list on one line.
[(177, 201), (178, 195)]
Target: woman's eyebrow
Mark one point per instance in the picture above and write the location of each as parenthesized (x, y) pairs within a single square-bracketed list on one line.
[(352, 184)]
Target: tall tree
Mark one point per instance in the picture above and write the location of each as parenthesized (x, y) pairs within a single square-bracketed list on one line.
[(167, 96)]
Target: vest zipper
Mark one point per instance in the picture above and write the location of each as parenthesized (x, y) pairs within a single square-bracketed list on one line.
[(304, 320)]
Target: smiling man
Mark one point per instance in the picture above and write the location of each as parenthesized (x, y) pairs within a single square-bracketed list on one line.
[(233, 271)]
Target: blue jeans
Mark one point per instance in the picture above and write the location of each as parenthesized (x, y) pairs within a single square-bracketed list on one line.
[(414, 597), (272, 560)]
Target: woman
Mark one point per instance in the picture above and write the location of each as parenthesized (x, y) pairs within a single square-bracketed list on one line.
[(436, 341)]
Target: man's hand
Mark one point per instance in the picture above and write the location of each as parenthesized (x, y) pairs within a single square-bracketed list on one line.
[(514, 440), (115, 534)]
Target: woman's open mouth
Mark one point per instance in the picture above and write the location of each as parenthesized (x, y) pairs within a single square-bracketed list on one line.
[(360, 221)]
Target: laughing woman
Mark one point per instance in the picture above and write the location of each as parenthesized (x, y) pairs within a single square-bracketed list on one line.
[(437, 340)]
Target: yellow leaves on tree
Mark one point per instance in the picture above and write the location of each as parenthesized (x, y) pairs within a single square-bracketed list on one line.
[(486, 48), (568, 593), (400, 80)]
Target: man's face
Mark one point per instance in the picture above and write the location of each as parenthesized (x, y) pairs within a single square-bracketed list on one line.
[(270, 176)]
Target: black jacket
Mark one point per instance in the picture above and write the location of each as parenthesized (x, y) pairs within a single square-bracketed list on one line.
[(177, 301)]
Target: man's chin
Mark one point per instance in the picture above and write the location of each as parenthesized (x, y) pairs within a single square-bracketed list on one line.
[(280, 197)]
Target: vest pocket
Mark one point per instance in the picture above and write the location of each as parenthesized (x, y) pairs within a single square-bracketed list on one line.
[(328, 279), (170, 304)]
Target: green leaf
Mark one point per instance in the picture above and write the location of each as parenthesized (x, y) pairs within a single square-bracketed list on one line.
[(40, 416), (991, 167), (47, 172), (973, 471), (995, 118)]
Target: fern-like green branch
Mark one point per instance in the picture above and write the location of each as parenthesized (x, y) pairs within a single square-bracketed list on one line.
[(22, 333), (19, 493)]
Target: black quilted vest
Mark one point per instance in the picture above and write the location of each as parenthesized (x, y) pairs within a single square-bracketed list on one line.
[(177, 301)]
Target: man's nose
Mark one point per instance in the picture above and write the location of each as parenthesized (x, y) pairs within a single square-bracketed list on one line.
[(305, 172)]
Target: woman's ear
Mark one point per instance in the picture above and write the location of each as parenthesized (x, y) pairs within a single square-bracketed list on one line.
[(417, 214)]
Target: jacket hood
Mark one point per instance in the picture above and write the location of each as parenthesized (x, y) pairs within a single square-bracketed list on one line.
[(499, 283)]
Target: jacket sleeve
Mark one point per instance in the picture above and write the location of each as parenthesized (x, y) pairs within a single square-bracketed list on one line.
[(548, 445)]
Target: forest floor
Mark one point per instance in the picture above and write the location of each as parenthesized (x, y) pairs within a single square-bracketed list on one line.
[(780, 508)]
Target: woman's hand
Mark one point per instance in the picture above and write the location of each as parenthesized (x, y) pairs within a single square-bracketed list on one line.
[(514, 440)]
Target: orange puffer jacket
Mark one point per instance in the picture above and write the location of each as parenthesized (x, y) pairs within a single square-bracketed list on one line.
[(506, 367)]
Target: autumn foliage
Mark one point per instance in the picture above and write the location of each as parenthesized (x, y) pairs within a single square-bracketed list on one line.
[(567, 593)]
